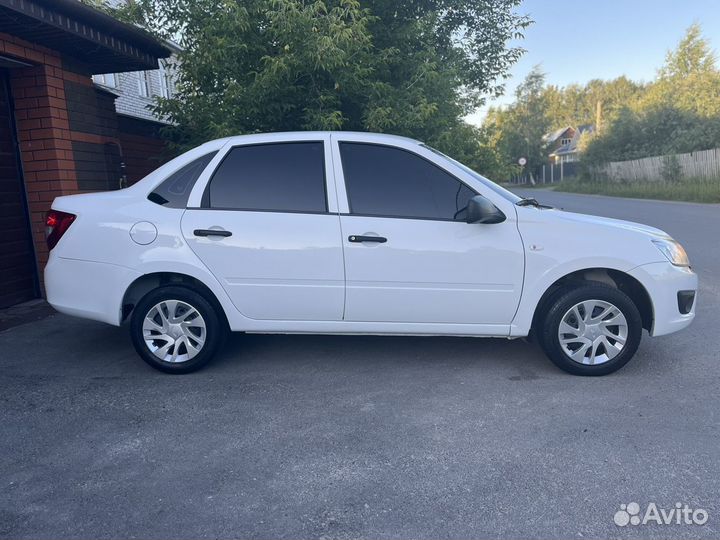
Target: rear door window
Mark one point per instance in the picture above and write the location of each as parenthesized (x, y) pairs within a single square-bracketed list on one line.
[(276, 177)]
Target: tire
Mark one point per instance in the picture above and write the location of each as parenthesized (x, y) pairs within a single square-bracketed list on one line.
[(599, 348), (188, 329)]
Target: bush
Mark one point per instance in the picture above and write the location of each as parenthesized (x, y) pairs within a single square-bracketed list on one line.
[(671, 170), (658, 131)]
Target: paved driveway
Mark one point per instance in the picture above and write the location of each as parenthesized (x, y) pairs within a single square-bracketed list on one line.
[(364, 437)]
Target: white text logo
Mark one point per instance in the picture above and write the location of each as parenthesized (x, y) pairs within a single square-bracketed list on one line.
[(681, 514)]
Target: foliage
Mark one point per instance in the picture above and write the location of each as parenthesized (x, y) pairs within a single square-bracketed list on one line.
[(97, 4), (671, 169), (576, 105), (692, 56), (529, 121), (518, 131), (519, 128), (678, 112), (654, 132), (408, 67)]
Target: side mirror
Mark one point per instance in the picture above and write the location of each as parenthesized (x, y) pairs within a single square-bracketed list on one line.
[(481, 210)]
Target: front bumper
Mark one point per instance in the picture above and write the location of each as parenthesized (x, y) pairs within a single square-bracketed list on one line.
[(663, 282), (87, 289)]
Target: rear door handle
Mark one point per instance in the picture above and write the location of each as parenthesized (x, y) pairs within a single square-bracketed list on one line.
[(211, 232), (360, 238)]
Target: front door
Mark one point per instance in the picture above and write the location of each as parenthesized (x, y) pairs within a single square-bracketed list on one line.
[(265, 232), (410, 256)]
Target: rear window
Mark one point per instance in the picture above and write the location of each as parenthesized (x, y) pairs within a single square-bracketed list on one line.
[(274, 177), (175, 190)]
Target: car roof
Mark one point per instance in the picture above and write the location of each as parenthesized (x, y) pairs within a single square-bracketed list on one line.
[(304, 135)]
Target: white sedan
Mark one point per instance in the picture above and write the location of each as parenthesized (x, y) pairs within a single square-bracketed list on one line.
[(356, 233)]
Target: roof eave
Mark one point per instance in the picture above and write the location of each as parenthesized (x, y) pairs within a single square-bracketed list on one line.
[(93, 37)]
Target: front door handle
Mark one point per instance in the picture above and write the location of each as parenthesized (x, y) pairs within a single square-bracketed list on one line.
[(360, 238), (211, 232)]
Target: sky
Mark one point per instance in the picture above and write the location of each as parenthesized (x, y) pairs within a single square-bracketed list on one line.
[(575, 41)]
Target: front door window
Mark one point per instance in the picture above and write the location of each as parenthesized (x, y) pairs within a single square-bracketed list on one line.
[(391, 182)]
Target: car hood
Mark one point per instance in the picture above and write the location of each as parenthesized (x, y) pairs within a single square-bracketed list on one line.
[(572, 217)]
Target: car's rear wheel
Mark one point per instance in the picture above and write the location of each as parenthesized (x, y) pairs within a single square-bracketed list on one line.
[(175, 329), (591, 329)]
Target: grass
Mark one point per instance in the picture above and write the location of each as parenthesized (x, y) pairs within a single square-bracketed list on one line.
[(689, 189)]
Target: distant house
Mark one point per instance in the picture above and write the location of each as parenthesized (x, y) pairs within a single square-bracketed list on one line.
[(562, 144)]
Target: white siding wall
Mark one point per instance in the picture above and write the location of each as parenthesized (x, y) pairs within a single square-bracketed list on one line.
[(130, 102)]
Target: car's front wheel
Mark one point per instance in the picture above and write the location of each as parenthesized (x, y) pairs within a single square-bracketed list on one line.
[(175, 329), (591, 329)]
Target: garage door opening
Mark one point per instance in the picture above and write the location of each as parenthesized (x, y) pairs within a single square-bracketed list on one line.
[(18, 270)]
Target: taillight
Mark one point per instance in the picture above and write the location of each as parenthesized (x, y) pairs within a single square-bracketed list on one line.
[(56, 223)]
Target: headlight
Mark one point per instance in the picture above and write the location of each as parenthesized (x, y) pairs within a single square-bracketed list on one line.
[(673, 251)]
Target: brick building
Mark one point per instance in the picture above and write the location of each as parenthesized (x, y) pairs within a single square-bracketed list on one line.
[(139, 128), (136, 91), (60, 133)]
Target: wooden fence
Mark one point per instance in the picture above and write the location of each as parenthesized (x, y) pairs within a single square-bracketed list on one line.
[(704, 164)]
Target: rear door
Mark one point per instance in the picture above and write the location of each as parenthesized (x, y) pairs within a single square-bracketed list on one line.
[(409, 254), (265, 229)]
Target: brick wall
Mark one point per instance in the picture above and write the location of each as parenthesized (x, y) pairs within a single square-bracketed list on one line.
[(90, 110), (57, 108), (143, 149), (43, 131), (70, 136)]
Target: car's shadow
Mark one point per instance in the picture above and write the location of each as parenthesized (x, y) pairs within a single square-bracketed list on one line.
[(519, 358), (75, 347)]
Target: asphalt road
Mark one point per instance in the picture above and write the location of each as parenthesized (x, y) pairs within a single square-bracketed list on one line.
[(364, 437)]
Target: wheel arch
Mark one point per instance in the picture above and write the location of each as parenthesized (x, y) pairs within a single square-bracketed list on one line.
[(149, 282), (609, 276)]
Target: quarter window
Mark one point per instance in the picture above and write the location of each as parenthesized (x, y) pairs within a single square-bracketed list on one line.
[(175, 190), (280, 177), (391, 182)]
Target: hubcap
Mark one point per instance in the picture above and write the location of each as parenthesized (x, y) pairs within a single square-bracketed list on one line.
[(174, 331), (593, 332)]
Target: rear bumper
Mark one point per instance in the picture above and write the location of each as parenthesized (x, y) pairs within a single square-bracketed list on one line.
[(87, 289), (663, 282)]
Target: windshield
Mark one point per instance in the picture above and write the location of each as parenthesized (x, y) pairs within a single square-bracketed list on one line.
[(504, 193)]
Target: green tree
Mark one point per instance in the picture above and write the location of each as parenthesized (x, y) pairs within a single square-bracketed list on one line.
[(679, 112), (522, 125), (576, 104), (518, 129), (531, 121), (495, 142), (406, 67), (689, 80), (692, 56)]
